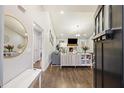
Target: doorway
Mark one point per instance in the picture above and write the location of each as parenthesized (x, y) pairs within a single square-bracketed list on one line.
[(37, 46)]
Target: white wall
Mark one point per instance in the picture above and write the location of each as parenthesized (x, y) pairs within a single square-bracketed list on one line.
[(14, 66), (90, 44), (42, 18), (1, 45), (80, 43), (87, 42)]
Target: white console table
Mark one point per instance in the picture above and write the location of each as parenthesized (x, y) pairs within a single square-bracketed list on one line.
[(71, 59), (25, 79)]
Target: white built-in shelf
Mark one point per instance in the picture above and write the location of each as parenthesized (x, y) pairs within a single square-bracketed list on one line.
[(84, 59)]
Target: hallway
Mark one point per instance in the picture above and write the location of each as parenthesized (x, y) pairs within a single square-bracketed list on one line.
[(54, 77), (86, 41)]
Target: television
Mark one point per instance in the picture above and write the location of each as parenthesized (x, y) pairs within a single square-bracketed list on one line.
[(72, 41)]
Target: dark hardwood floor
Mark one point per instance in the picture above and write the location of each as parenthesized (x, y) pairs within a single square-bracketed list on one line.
[(67, 77)]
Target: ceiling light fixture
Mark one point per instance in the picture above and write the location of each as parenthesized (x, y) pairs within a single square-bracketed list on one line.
[(34, 24), (77, 26), (61, 12), (77, 35)]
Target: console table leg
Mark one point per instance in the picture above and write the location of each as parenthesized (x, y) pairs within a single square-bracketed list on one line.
[(40, 81)]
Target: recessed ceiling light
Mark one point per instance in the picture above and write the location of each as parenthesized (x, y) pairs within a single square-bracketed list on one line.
[(34, 24), (77, 35), (77, 26), (61, 12)]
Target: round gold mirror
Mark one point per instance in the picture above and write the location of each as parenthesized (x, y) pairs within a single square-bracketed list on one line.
[(15, 37)]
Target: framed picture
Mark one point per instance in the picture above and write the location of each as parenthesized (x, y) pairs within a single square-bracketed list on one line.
[(51, 38)]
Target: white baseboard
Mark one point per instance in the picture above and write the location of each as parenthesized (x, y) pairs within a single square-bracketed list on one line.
[(46, 66)]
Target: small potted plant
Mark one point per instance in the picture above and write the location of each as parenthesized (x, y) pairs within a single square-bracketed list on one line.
[(85, 48), (9, 47)]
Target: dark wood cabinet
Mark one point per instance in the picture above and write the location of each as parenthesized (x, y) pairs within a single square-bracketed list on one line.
[(112, 61), (108, 43), (99, 64)]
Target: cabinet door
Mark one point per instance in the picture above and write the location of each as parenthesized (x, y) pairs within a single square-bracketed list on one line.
[(80, 63), (108, 66), (74, 60), (69, 62), (112, 61), (63, 60), (98, 67)]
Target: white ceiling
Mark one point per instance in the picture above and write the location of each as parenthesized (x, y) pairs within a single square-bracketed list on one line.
[(65, 25)]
